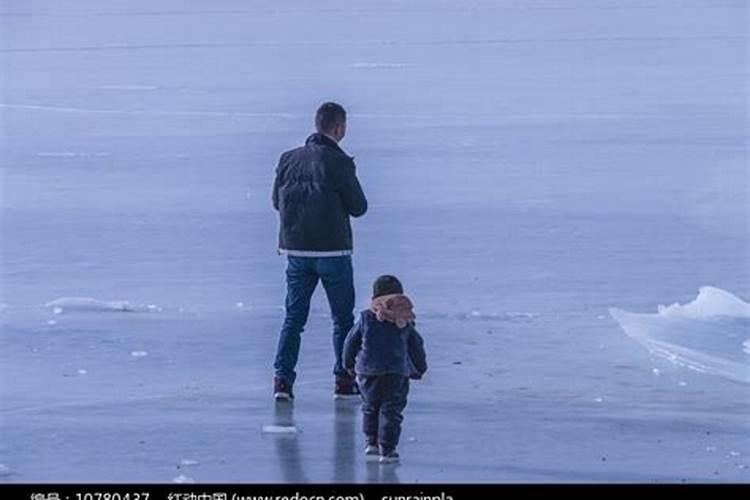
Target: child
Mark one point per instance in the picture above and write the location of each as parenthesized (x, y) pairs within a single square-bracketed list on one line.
[(384, 350)]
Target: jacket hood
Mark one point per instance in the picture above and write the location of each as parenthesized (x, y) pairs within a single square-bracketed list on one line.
[(396, 308)]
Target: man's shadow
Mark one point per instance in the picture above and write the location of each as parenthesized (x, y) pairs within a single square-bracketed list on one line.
[(287, 445), (344, 441)]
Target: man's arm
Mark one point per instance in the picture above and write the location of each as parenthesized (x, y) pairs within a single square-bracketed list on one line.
[(351, 191), (352, 345), (277, 183)]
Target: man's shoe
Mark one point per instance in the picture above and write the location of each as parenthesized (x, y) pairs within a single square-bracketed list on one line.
[(282, 391), (346, 388)]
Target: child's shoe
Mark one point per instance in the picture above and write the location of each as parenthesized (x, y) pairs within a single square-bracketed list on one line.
[(389, 456), (372, 454)]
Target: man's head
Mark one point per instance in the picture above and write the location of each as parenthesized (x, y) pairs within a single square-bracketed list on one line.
[(386, 285), (330, 120)]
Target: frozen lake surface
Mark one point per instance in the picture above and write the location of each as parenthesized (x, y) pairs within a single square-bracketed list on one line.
[(542, 175)]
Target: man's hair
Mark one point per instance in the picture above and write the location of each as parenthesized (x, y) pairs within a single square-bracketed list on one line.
[(329, 115), (386, 285)]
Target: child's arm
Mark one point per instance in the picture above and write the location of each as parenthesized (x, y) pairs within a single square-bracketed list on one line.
[(352, 345), (416, 352)]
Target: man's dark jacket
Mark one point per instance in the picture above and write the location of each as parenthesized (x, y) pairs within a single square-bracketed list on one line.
[(315, 191)]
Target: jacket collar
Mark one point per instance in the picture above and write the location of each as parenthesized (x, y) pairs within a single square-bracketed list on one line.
[(322, 140)]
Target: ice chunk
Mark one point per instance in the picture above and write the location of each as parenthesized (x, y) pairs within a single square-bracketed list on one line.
[(280, 429), (710, 302), (704, 335), (88, 304)]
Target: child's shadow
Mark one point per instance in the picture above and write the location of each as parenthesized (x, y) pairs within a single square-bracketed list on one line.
[(387, 474)]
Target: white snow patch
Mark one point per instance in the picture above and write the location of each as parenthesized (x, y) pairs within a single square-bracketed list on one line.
[(73, 154), (82, 372), (599, 400), (139, 354), (188, 462), (87, 304), (682, 383), (127, 87), (379, 65), (280, 429), (508, 316), (240, 304), (52, 322), (701, 335), (183, 479), (656, 372), (146, 112), (4, 470)]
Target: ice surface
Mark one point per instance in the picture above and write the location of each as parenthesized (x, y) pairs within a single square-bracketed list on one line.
[(709, 334), (533, 161)]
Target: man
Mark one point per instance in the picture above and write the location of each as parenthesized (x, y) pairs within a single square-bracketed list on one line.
[(316, 191)]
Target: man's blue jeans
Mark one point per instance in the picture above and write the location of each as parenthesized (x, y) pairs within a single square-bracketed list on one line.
[(302, 275)]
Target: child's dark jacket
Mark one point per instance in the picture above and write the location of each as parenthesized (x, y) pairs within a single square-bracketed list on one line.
[(375, 347)]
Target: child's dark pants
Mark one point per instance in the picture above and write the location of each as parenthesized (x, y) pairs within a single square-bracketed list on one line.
[(383, 401)]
